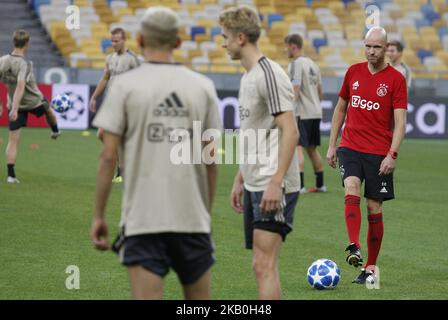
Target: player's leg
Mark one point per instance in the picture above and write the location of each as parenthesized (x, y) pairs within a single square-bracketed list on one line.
[(351, 172), (313, 133), (146, 257), (192, 258), (301, 168), (266, 249), (199, 290), (44, 109), (145, 285), (270, 229), (301, 156), (316, 161), (13, 143), (375, 231), (53, 123), (11, 154)]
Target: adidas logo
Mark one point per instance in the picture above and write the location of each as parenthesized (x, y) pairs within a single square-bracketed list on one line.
[(384, 190), (171, 107), (355, 86)]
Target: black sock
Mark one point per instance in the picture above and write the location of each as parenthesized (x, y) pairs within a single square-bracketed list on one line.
[(54, 128), (319, 179), (11, 172), (302, 180), (118, 172)]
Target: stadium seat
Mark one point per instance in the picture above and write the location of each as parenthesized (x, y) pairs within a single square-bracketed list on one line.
[(319, 42), (274, 18), (423, 53), (197, 30), (215, 31), (105, 43)]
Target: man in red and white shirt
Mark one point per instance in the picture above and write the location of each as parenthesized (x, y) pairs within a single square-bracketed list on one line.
[(373, 103)]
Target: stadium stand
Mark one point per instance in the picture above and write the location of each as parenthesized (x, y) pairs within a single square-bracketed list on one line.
[(333, 31), (18, 15)]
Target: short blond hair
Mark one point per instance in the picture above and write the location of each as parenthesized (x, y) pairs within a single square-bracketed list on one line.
[(20, 38), (242, 19), (159, 28)]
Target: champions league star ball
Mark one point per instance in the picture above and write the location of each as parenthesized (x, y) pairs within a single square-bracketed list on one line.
[(323, 274), (61, 103)]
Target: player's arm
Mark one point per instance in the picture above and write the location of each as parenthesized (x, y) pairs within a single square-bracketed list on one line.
[(320, 91), (388, 164), (99, 90), (336, 124), (212, 175), (18, 95), (106, 168), (273, 195), (237, 193)]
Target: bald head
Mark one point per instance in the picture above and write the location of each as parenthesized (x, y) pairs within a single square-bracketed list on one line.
[(376, 34), (159, 28), (375, 46)]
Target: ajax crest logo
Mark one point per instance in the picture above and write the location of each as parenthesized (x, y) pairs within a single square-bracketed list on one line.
[(382, 90)]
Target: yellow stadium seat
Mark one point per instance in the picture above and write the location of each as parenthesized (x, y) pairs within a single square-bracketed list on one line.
[(85, 63), (428, 31), (326, 50), (98, 64), (201, 38), (81, 3), (124, 12), (305, 12)]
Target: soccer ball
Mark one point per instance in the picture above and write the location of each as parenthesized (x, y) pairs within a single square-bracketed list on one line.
[(61, 103), (323, 274)]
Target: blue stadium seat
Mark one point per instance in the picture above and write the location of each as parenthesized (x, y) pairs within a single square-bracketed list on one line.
[(215, 31), (35, 4), (422, 23), (317, 43), (426, 8), (423, 53), (443, 31), (273, 18), (197, 30), (431, 16), (105, 43)]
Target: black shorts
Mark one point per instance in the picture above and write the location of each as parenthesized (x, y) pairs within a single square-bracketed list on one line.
[(309, 130), (366, 167), (189, 254), (22, 116), (280, 222)]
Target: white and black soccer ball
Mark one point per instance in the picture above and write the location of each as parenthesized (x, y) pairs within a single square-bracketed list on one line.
[(323, 274), (61, 103)]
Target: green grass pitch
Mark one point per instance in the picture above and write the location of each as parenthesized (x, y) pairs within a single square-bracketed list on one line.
[(45, 223)]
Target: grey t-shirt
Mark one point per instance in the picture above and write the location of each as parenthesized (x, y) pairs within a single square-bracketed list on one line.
[(264, 92), (14, 68), (143, 106)]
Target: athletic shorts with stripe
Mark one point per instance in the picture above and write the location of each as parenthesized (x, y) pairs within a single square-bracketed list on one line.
[(280, 222)]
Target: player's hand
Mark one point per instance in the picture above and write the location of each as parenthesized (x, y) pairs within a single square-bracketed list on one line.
[(99, 234), (332, 157), (387, 166), (272, 197), (13, 115), (236, 196), (92, 105)]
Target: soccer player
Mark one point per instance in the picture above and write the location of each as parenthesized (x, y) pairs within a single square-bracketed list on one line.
[(166, 207), (270, 196), (306, 80), (394, 53), (372, 103), (121, 60), (23, 97)]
